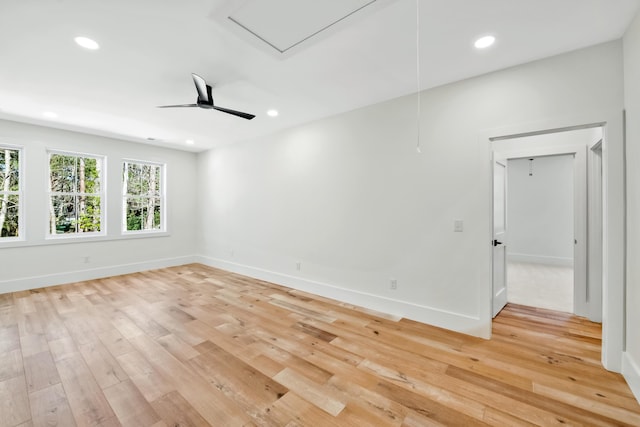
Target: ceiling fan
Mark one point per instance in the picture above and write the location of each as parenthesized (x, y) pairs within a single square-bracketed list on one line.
[(205, 100)]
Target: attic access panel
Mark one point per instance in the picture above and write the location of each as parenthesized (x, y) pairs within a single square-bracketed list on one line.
[(286, 24)]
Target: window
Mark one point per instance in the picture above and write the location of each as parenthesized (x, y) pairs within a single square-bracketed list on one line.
[(76, 194), (10, 193), (143, 196)]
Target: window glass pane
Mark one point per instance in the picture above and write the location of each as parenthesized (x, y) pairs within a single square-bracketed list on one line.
[(143, 197), (63, 215), (75, 204), (134, 214), (157, 178), (88, 214), (9, 192), (156, 214), (63, 173), (9, 170), (9, 211), (134, 182), (88, 175), (145, 188), (148, 215)]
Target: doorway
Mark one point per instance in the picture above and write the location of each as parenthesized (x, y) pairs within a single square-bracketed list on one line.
[(568, 146), (540, 209)]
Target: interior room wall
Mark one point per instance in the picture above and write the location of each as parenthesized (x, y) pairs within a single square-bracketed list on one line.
[(345, 205), (540, 210), (631, 367), (39, 261)]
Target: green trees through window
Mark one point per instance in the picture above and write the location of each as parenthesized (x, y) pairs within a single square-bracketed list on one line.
[(142, 196), (75, 193), (9, 192)]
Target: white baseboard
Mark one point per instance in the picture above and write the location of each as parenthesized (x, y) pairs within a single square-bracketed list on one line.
[(540, 259), (631, 373), (454, 321), (89, 274)]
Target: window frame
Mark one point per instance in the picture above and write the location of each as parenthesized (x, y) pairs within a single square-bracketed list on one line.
[(20, 193), (162, 195), (102, 194)]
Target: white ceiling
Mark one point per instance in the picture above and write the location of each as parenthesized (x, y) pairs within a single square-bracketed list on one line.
[(150, 47)]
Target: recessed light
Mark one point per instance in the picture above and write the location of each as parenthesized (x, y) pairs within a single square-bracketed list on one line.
[(50, 115), (190, 142), (87, 43), (484, 42), (272, 113)]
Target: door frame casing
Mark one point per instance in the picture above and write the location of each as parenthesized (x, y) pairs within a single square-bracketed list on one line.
[(595, 227), (581, 305), (505, 242), (613, 218)]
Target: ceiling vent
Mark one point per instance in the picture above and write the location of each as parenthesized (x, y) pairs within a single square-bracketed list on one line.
[(285, 27)]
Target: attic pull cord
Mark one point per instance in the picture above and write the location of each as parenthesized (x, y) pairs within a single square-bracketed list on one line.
[(418, 71)]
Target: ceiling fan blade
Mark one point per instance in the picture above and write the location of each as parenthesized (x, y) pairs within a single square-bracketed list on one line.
[(177, 106), (204, 93), (235, 113)]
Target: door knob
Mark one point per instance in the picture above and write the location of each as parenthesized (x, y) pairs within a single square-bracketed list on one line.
[(496, 243)]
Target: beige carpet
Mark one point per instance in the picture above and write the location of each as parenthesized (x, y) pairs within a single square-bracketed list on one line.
[(540, 285)]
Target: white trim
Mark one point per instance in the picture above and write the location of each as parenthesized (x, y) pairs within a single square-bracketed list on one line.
[(541, 259), (87, 238), (20, 193), (595, 231), (631, 373), (102, 194), (446, 319), (580, 202), (613, 233), (163, 197), (89, 274)]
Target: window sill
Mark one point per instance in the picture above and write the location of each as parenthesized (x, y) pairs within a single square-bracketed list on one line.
[(65, 240)]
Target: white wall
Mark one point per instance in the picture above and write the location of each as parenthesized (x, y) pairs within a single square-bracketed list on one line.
[(631, 368), (540, 210), (40, 262), (351, 200)]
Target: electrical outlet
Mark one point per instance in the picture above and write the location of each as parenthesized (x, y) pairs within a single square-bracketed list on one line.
[(232, 253), (86, 259), (298, 265), (458, 226), (393, 284)]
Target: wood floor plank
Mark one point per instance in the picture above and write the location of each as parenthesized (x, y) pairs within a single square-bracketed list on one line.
[(9, 339), (11, 364), (194, 345), (49, 407), (40, 371), (210, 402), (312, 392), (247, 386), (175, 410), (85, 397), (149, 381), (14, 402), (103, 365), (178, 348), (115, 342), (294, 411), (130, 406)]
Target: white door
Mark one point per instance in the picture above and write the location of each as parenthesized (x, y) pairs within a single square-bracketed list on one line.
[(499, 236)]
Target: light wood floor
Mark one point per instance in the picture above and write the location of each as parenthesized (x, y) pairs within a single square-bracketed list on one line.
[(194, 346)]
